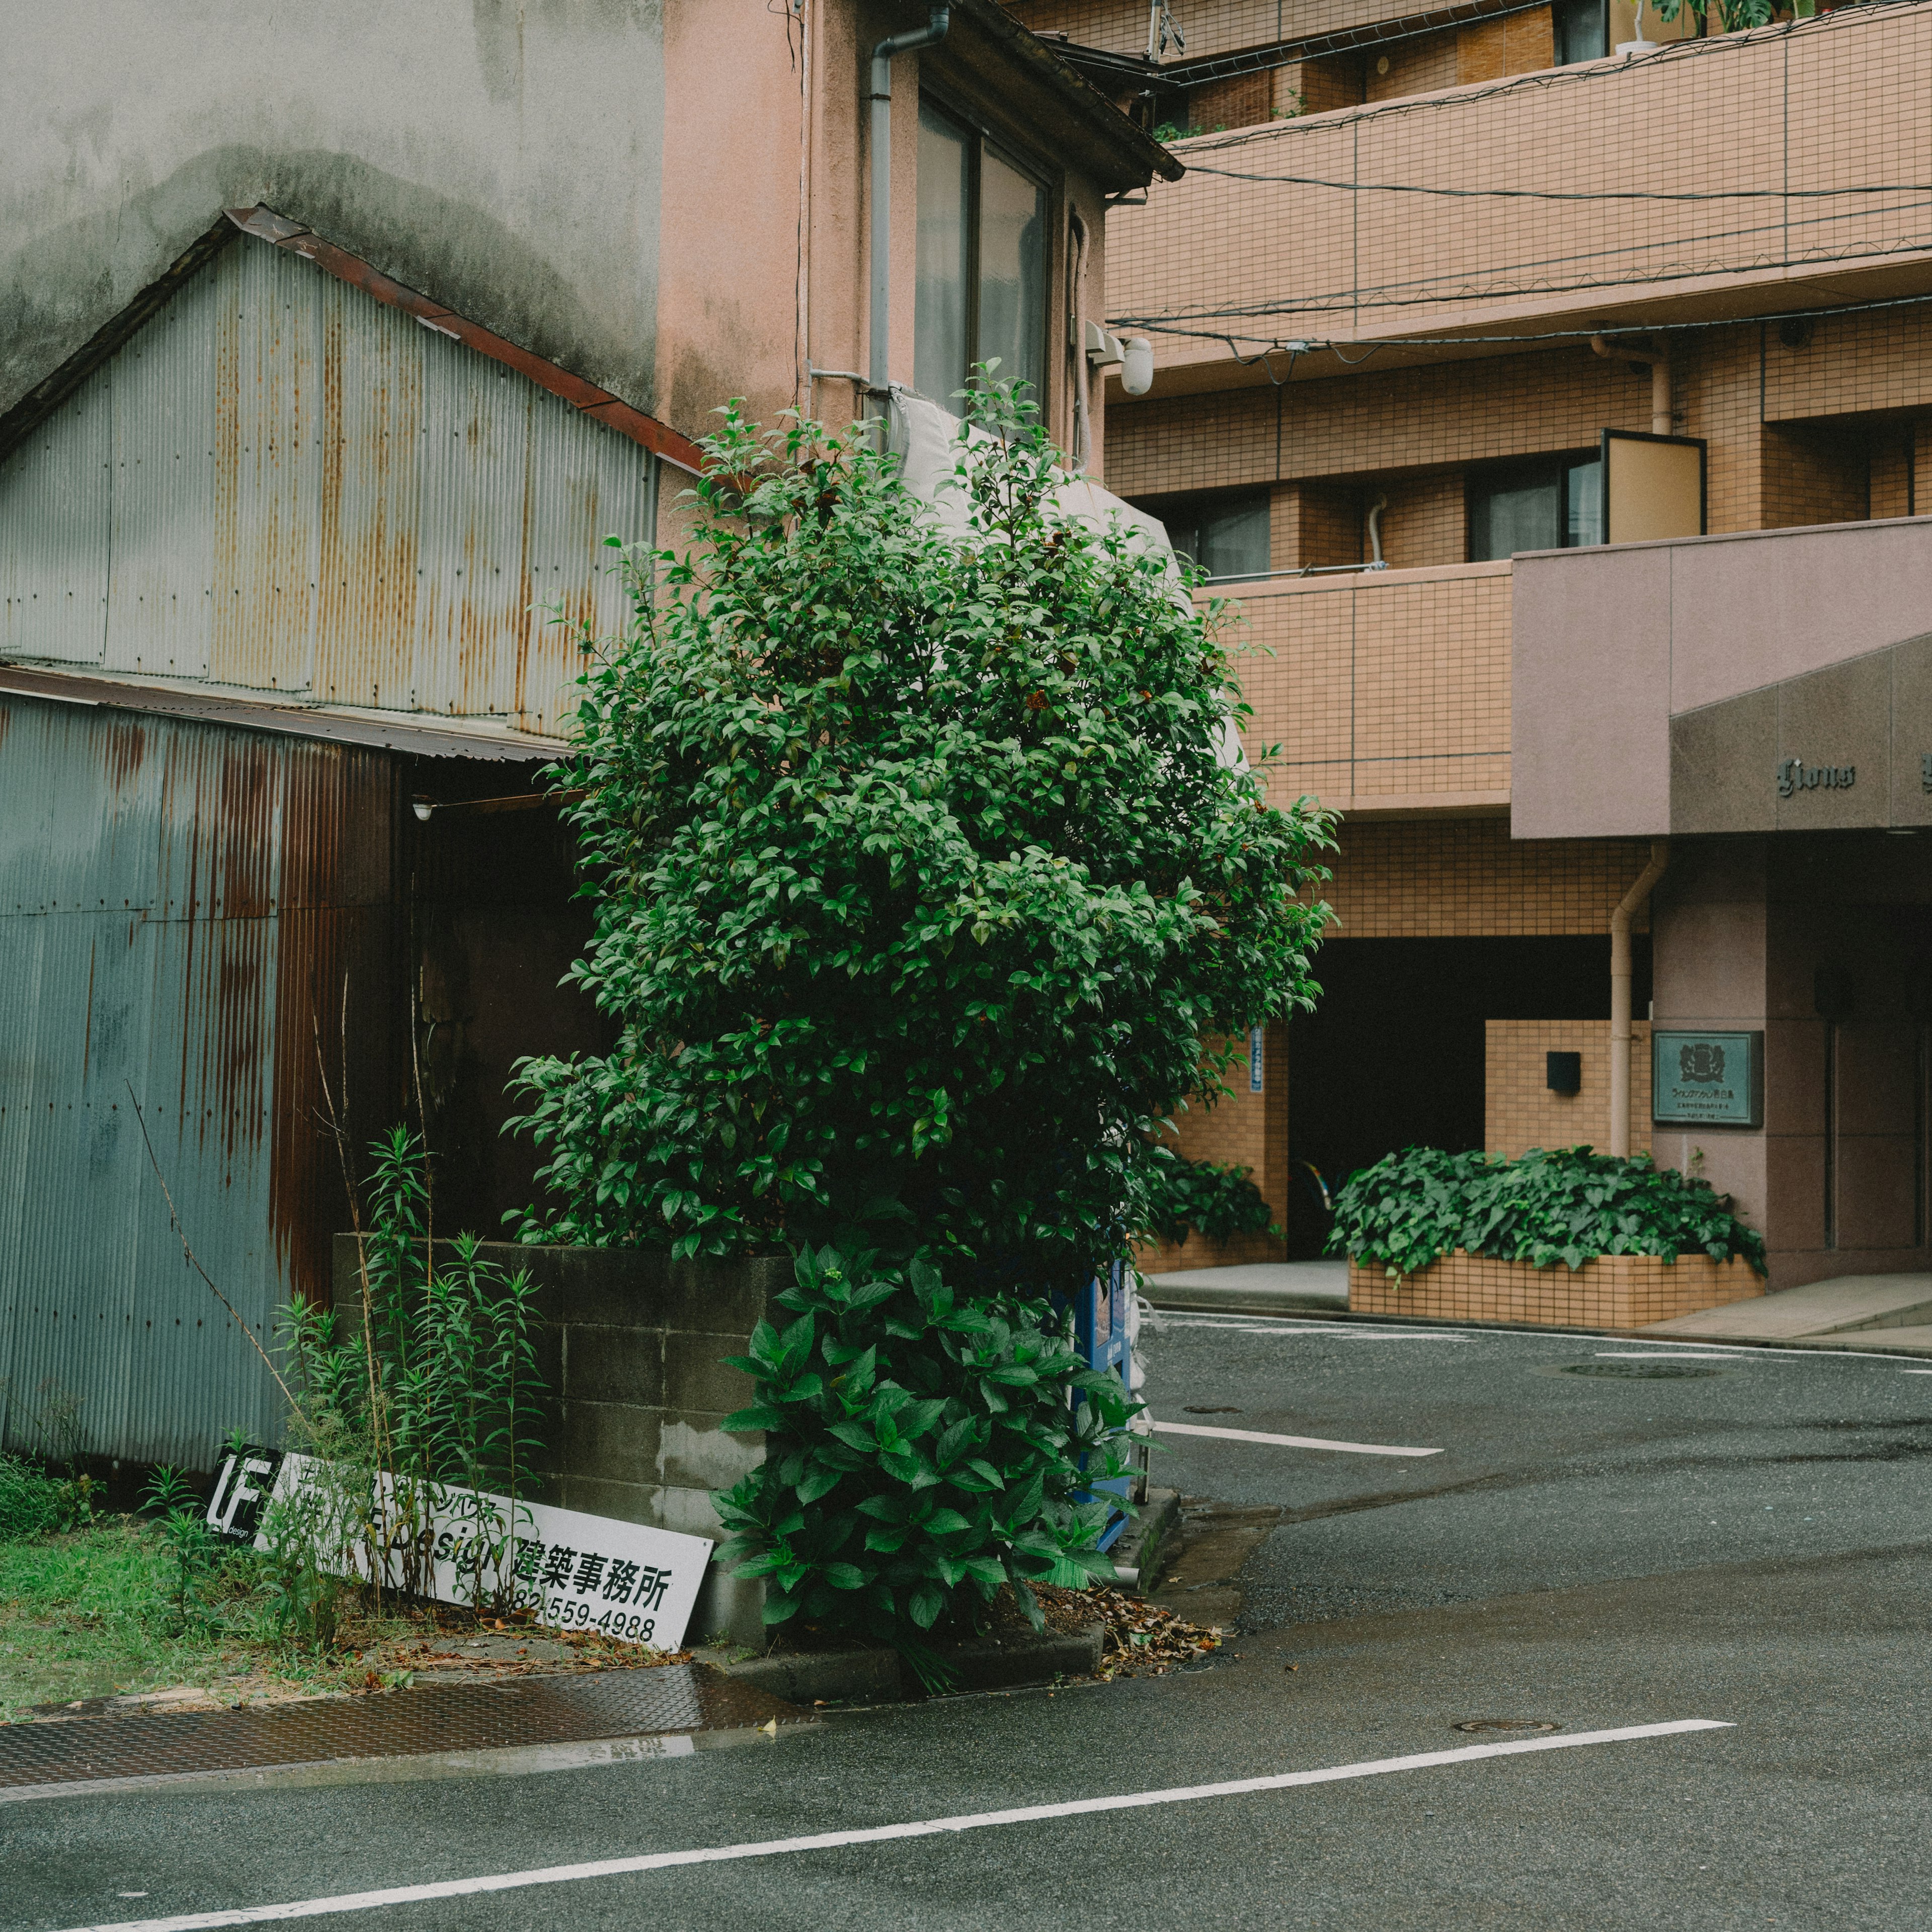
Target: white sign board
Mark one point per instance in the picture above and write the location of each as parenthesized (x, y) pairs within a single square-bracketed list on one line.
[(571, 1570)]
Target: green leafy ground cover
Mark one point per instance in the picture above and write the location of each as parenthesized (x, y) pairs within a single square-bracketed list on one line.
[(1567, 1204)]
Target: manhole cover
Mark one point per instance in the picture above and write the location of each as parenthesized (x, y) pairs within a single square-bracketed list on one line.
[(1518, 1724), (1645, 1371)]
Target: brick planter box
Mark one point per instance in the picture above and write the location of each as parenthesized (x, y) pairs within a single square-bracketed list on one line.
[(1613, 1292)]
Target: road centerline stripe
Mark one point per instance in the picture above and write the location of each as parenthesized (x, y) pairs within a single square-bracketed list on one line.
[(1290, 1441), (462, 1887)]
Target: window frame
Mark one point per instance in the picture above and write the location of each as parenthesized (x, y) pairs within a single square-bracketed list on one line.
[(1554, 465), (1603, 11), (1193, 502), (979, 137)]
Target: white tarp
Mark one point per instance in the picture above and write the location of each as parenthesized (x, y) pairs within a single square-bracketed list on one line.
[(925, 438)]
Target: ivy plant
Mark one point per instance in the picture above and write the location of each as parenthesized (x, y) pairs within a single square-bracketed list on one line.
[(1568, 1204), (920, 1451), (923, 885), (1218, 1201)]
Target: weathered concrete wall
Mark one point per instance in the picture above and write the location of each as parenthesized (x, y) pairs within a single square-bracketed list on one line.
[(631, 1347), (504, 155)]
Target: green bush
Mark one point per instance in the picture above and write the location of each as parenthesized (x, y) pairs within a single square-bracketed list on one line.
[(920, 1452), (1567, 1205), (1218, 1201), (32, 1502), (921, 889)]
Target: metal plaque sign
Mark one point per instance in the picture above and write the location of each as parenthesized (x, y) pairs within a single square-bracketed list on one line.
[(570, 1569), (1706, 1079), (1257, 1038)]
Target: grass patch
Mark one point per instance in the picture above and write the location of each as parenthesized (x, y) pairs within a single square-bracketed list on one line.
[(92, 1613)]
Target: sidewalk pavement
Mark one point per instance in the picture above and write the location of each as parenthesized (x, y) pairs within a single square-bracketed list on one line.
[(1260, 1288), (1889, 1312)]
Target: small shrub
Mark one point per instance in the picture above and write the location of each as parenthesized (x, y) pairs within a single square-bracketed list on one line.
[(32, 1504), (1569, 1204), (920, 1452), (1218, 1201), (197, 1553), (435, 1390)]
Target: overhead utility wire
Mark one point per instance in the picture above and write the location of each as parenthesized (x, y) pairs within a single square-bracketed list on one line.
[(1667, 53), (1576, 194), (1418, 289), (1315, 345)]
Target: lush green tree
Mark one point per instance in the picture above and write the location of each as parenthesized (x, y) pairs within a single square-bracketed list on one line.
[(921, 878)]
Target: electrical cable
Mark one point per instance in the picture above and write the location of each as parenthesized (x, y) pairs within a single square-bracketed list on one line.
[(1667, 53), (1309, 347), (1411, 293), (1573, 194)]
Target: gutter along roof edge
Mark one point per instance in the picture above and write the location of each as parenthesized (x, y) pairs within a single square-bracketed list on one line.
[(339, 724), (1144, 156)]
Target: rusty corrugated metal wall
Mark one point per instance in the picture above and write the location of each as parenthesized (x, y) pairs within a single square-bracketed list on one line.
[(182, 906), (279, 483)]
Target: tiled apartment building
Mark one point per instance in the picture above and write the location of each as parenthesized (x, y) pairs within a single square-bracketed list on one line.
[(1556, 408)]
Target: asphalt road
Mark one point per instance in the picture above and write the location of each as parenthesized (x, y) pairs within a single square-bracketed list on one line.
[(1752, 1546)]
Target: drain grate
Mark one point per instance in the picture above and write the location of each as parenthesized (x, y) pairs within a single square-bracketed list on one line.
[(400, 1724), (1642, 1371), (1512, 1724)]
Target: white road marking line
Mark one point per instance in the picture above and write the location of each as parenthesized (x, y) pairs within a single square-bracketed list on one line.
[(924, 1828), (1289, 1441), (1337, 1334), (1916, 1372)]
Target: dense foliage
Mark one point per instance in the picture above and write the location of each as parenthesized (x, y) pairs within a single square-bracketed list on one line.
[(921, 886), (1567, 1205), (921, 1451), (1218, 1201), (32, 1501), (433, 1393)]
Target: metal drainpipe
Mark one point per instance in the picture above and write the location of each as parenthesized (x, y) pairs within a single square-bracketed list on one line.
[(1620, 994), (1659, 359), (937, 20)]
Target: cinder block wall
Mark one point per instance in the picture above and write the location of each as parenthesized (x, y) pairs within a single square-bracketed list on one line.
[(631, 1347), (1519, 1112)]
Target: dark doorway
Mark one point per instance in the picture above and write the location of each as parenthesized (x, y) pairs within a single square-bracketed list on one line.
[(1392, 1057)]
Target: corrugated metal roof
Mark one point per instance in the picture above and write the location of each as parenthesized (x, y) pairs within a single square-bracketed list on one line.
[(282, 484), (181, 905)]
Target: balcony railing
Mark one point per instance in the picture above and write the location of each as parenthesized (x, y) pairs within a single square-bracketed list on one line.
[(1386, 690), (1746, 161)]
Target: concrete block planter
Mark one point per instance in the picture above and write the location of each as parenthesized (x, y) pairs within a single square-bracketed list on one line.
[(1611, 1291), (631, 1347)]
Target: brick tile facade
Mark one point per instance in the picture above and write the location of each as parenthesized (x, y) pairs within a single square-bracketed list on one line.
[(1822, 104), (1615, 1292), (1466, 878), (1520, 1112)]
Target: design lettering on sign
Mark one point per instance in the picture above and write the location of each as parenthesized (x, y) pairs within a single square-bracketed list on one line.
[(1701, 1063), (1795, 775)]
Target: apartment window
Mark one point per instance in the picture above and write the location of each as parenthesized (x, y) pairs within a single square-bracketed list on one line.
[(1582, 29), (1228, 536), (981, 287), (1554, 503)]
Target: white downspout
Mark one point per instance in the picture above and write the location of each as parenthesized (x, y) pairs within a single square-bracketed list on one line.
[(938, 19), (1375, 510), (1661, 416), (1628, 907), (1083, 427)]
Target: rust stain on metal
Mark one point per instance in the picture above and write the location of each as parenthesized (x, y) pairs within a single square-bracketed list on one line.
[(606, 408)]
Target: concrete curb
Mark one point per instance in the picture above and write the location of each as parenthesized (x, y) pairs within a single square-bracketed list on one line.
[(1144, 1543), (1206, 1300), (877, 1676)]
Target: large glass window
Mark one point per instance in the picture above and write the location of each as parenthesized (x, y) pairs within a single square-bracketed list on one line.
[(1553, 503), (981, 290), (1228, 536), (1582, 29)]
